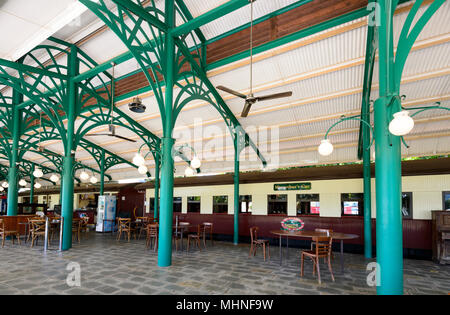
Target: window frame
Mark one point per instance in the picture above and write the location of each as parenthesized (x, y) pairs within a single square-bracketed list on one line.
[(297, 204), (269, 201), (192, 202), (218, 205), (248, 202), (181, 204), (443, 199), (360, 205), (410, 216)]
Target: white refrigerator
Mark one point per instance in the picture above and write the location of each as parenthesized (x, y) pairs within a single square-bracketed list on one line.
[(106, 214)]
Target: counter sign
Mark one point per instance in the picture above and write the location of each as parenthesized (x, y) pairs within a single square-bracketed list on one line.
[(293, 186)]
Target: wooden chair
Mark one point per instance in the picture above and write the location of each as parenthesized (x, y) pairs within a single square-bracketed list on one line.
[(152, 236), (5, 233), (76, 229), (255, 243), (143, 226), (322, 250), (125, 228), (29, 226), (37, 229), (196, 236), (84, 228), (328, 232), (208, 229)]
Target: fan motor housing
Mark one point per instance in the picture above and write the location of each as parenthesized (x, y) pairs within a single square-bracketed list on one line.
[(136, 106)]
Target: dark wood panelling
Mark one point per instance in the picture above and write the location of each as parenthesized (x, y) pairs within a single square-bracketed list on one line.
[(130, 198), (300, 18), (416, 233)]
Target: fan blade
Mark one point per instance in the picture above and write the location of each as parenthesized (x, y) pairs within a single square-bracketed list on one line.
[(246, 109), (98, 134), (273, 96), (225, 89), (123, 138)]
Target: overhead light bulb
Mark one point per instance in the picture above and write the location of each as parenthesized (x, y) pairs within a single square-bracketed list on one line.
[(38, 173), (37, 185), (142, 169), (54, 178), (325, 147), (94, 180), (2, 189), (84, 176), (189, 172), (22, 182), (138, 160), (5, 185), (402, 124), (195, 163)]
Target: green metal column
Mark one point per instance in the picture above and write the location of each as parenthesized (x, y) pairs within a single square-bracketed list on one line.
[(388, 166), (32, 184), (68, 167), (367, 193), (102, 174), (156, 202), (13, 189), (236, 190), (166, 210)]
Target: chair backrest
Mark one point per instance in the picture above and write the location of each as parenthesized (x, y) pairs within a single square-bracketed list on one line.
[(325, 231), (254, 233), (153, 229), (201, 229), (208, 225), (124, 223), (323, 245), (37, 226)]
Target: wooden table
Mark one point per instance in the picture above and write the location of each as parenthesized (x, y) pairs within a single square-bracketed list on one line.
[(310, 234), (182, 226)]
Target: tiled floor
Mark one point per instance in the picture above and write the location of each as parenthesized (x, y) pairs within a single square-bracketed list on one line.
[(109, 267)]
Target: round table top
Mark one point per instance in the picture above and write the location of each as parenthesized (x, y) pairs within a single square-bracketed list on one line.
[(311, 234)]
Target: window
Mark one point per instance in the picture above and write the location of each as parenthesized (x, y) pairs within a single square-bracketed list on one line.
[(176, 204), (152, 204), (277, 204), (446, 200), (193, 204), (220, 204), (308, 204), (407, 205), (352, 204), (245, 204)]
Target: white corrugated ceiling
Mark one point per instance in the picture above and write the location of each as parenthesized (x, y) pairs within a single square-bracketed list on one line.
[(325, 74)]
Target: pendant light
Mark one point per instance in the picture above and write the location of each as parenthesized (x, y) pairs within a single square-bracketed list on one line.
[(142, 169), (138, 160), (5, 185), (84, 176), (38, 173), (325, 147), (54, 178), (22, 182), (402, 124), (189, 172), (94, 180), (37, 185), (196, 163)]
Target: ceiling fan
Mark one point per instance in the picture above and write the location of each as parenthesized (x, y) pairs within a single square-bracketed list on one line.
[(111, 126), (251, 99)]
